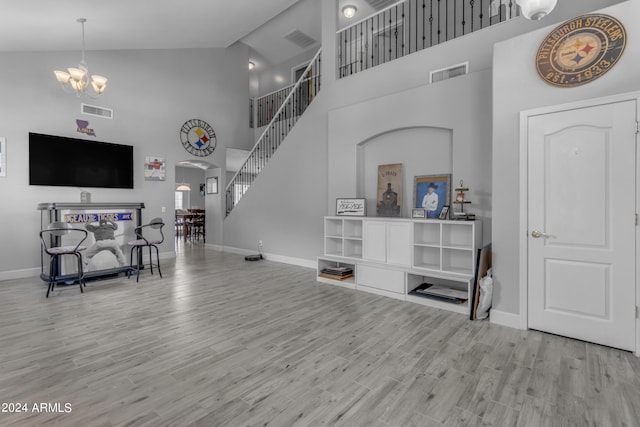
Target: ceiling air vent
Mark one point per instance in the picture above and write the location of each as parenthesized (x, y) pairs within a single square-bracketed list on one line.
[(380, 4), (449, 72), (300, 39), (92, 110)]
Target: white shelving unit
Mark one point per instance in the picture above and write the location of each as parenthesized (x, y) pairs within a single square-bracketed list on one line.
[(436, 252), (343, 237)]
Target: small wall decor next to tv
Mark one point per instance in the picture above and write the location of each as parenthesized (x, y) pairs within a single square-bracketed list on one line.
[(70, 162)]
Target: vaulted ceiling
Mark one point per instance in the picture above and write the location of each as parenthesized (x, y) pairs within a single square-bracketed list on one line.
[(45, 25)]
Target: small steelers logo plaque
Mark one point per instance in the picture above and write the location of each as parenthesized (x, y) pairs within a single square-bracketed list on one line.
[(581, 50), (198, 137)]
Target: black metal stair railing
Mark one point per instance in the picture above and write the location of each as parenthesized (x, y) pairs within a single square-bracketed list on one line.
[(299, 97), (409, 26), (267, 105)]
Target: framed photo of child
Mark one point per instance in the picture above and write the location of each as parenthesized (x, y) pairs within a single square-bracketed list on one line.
[(432, 193)]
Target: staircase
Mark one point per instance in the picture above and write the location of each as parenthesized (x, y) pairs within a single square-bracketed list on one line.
[(294, 105)]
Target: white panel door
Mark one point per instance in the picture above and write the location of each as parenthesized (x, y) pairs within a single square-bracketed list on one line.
[(581, 244), (374, 240), (399, 243)]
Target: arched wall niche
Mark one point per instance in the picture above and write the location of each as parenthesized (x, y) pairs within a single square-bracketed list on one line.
[(422, 150)]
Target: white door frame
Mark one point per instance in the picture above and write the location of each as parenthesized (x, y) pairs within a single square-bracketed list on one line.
[(524, 185)]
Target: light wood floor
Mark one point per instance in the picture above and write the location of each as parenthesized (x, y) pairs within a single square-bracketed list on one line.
[(222, 342)]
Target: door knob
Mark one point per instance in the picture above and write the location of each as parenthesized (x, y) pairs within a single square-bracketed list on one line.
[(538, 234)]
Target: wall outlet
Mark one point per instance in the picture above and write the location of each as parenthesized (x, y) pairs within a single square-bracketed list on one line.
[(164, 209), (259, 242)]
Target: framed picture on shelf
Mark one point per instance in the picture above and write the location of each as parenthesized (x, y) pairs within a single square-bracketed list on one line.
[(444, 212), (351, 207), (212, 185), (432, 193), (418, 213), (389, 200)]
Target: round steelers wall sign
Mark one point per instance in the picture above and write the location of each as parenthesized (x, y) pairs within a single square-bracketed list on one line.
[(198, 138), (581, 50)]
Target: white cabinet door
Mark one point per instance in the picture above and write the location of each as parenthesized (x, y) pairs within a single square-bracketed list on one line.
[(399, 243), (381, 278), (375, 241)]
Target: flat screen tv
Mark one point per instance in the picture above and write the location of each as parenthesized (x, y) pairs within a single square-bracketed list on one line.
[(70, 162)]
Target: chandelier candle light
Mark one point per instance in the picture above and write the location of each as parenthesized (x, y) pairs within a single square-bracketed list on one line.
[(78, 78)]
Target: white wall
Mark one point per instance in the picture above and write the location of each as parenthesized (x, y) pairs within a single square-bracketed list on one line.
[(153, 92), (517, 87), (421, 150), (299, 185), (462, 116), (279, 76)]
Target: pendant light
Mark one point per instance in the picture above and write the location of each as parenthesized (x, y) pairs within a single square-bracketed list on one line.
[(78, 80), (535, 10)]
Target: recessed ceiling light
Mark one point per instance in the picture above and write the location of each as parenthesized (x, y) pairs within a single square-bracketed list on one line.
[(349, 11), (251, 65)]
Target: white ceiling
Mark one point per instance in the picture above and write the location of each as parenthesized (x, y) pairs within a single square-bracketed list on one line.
[(269, 42), (45, 25)]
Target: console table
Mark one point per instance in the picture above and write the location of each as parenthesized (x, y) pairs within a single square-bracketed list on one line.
[(127, 216)]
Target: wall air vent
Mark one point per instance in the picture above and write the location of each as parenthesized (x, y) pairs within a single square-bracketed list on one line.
[(300, 39), (380, 4), (449, 72), (92, 110)]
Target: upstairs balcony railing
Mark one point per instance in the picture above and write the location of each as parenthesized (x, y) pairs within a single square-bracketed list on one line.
[(412, 25)]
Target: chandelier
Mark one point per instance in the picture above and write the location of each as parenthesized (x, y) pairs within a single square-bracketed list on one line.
[(78, 79), (536, 9)]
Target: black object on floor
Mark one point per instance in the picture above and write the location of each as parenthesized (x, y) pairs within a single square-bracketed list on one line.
[(257, 257)]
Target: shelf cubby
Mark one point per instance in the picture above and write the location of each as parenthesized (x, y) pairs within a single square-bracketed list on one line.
[(333, 227), (352, 229), (458, 235), (352, 248), (333, 246), (426, 233), (426, 257), (458, 261), (347, 283)]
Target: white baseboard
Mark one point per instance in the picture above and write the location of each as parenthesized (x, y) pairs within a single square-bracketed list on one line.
[(503, 318), (300, 262), (214, 247), (19, 274)]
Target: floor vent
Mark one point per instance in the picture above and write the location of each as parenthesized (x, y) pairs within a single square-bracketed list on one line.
[(92, 110), (380, 4), (449, 72), (300, 39)]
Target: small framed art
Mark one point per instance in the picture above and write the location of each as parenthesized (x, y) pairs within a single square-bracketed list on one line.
[(212, 185), (444, 213), (418, 213), (155, 168), (351, 207)]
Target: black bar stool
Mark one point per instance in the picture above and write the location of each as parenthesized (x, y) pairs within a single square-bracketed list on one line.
[(50, 238), (143, 242)]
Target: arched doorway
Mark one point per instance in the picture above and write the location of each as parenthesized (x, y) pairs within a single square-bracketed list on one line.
[(190, 206)]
